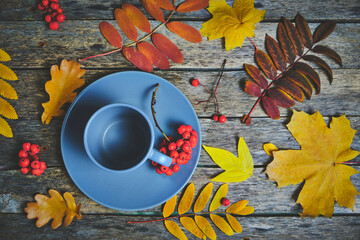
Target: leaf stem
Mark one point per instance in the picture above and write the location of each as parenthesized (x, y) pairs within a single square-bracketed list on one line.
[(253, 43)]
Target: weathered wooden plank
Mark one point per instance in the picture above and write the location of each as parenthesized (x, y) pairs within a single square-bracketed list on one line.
[(16, 226), (17, 189), (81, 9), (86, 40)]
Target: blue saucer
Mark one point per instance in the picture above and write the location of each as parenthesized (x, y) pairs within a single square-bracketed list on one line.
[(142, 188)]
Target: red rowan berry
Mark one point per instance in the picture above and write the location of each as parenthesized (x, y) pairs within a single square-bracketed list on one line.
[(42, 165), (169, 172), (186, 135), (175, 168), (60, 17), (193, 132), (35, 148), (24, 162), (26, 146), (54, 25), (181, 129), (222, 119), (163, 150), (179, 142), (154, 163), (24, 170), (215, 117), (195, 82), (174, 154), (23, 154), (225, 202), (172, 146), (158, 170), (35, 164), (37, 172), (188, 128)]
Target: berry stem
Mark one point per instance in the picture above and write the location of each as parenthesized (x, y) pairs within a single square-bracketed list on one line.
[(153, 102)]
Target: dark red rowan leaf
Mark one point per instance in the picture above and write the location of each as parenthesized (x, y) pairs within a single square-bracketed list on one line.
[(111, 34), (126, 25), (265, 63), (310, 73), (256, 74), (321, 63), (137, 58), (270, 107), (275, 52), (167, 47), (185, 31), (281, 98), (294, 36), (291, 88), (156, 57), (304, 30), (153, 9), (137, 17), (328, 52), (285, 44), (300, 80), (192, 5), (323, 31), (165, 4), (252, 88)]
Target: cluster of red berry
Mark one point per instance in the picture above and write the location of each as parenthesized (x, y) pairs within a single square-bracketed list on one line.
[(179, 150), (54, 14), (29, 152)]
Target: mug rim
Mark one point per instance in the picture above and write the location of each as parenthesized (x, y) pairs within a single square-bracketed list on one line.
[(96, 113)]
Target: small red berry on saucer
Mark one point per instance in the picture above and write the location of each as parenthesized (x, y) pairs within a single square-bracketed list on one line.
[(169, 172), (181, 129), (154, 163), (23, 154), (35, 148), (174, 154), (195, 82), (172, 146), (215, 117), (225, 202), (179, 142), (222, 119), (26, 146), (188, 128), (158, 170), (24, 170), (175, 168), (163, 150), (186, 135), (163, 168), (193, 132)]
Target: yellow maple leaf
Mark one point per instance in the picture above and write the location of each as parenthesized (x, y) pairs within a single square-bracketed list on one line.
[(233, 23), (319, 163), (237, 169), (55, 207), (61, 88)]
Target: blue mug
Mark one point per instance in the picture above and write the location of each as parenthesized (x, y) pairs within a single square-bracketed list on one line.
[(120, 137)]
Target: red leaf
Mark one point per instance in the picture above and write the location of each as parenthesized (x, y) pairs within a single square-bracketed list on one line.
[(111, 34), (137, 58), (153, 9), (281, 98), (252, 88), (328, 52), (285, 44), (165, 4), (270, 107), (137, 17), (310, 73), (126, 25), (323, 31), (304, 30), (192, 5), (256, 74), (300, 80), (291, 88), (275, 52), (321, 63), (294, 36), (156, 57), (167, 47), (185, 31), (265, 63)]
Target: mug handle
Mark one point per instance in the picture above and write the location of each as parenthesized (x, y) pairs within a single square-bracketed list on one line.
[(160, 158)]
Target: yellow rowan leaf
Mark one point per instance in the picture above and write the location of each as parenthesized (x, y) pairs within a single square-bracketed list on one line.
[(7, 73), (55, 207), (234, 223), (319, 163), (4, 56), (61, 88), (191, 226), (169, 207), (222, 224), (233, 23), (240, 208), (237, 169), (186, 200), (174, 229), (220, 194), (5, 129), (269, 148), (205, 227), (7, 110), (203, 198), (7, 91)]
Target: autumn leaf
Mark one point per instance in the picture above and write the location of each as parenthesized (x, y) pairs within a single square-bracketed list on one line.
[(233, 23), (61, 87), (56, 207), (237, 169), (320, 163)]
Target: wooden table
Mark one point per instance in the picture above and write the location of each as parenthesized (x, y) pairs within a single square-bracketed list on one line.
[(276, 213)]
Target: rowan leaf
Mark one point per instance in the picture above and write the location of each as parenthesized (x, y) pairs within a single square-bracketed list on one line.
[(125, 23), (203, 198), (285, 44), (154, 55), (174, 229), (290, 88), (256, 74), (321, 63), (300, 80), (252, 88), (220, 194), (55, 207), (185, 31), (192, 5), (4, 56), (264, 61), (270, 107), (64, 81), (137, 17), (304, 30), (234, 223), (237, 169), (294, 36), (328, 52), (167, 47), (7, 91), (111, 34), (191, 226), (169, 207), (281, 98), (240, 208), (319, 163), (275, 52), (269, 148), (323, 31), (137, 58), (222, 224), (165, 4), (7, 110), (233, 23), (310, 73), (5, 128), (7, 73), (205, 227), (153, 9), (186, 200)]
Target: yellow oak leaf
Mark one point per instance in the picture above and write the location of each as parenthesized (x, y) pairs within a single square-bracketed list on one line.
[(320, 162), (237, 169), (233, 23), (61, 88), (55, 207)]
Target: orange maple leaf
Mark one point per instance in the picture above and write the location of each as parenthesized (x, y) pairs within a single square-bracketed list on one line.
[(61, 88), (319, 163)]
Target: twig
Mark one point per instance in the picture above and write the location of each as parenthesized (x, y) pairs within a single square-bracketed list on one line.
[(153, 102)]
